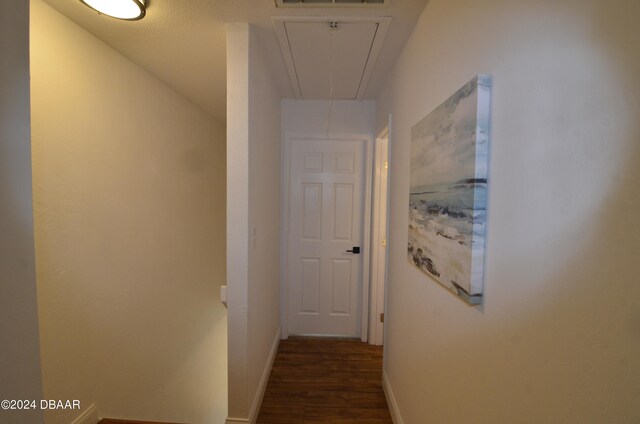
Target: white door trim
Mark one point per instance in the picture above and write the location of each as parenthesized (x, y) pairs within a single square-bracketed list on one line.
[(380, 230), (288, 139), (386, 286)]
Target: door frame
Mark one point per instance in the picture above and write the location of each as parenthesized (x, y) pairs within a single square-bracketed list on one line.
[(287, 140), (380, 237)]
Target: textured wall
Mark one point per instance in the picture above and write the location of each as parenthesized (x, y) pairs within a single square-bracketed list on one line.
[(264, 216), (129, 199), (253, 210), (558, 338)]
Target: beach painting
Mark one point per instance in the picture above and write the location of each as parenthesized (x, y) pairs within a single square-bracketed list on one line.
[(448, 194)]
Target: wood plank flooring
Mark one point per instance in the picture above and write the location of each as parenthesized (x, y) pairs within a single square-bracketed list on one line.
[(325, 380)]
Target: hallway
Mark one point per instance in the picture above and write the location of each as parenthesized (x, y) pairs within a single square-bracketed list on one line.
[(325, 380)]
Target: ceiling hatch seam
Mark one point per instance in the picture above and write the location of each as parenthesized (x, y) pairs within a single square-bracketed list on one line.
[(298, 72), (295, 69), (367, 64)]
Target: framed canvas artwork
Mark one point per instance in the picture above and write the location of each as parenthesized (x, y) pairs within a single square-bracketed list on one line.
[(448, 193)]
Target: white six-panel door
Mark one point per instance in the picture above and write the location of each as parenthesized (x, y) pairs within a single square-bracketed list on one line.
[(325, 220)]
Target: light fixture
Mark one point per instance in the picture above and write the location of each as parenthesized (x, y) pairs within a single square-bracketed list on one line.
[(128, 10)]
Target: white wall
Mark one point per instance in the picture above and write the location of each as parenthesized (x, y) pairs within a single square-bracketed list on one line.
[(20, 376), (343, 116), (129, 199), (264, 217), (558, 338), (253, 210), (237, 217)]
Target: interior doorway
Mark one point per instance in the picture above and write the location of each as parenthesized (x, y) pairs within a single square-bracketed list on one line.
[(327, 189), (380, 231)]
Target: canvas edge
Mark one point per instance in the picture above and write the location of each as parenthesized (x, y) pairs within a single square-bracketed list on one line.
[(483, 116)]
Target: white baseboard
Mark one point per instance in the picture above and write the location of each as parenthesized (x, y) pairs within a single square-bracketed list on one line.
[(262, 386), (231, 420), (89, 416), (391, 400)]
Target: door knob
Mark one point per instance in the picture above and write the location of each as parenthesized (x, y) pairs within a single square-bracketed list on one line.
[(356, 250)]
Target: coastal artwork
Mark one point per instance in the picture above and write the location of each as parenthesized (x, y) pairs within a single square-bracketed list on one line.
[(448, 193)]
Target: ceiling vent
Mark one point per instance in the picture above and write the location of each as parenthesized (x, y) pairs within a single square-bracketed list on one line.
[(330, 57), (331, 3)]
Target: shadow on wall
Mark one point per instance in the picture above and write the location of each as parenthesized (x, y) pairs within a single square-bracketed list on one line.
[(20, 376)]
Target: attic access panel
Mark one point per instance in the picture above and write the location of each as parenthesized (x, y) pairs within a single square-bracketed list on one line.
[(319, 51), (329, 57)]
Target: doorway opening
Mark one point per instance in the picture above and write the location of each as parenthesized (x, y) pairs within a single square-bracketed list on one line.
[(379, 238), (327, 190), (327, 288)]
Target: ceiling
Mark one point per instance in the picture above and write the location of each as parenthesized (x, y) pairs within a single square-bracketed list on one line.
[(330, 57), (183, 42)]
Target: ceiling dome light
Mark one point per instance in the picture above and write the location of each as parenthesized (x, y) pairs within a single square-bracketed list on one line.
[(129, 10)]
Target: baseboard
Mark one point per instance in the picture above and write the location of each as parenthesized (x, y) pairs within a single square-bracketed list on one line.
[(262, 386), (391, 400), (89, 416)]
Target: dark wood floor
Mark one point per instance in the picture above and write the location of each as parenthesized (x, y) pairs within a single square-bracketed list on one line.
[(325, 380)]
